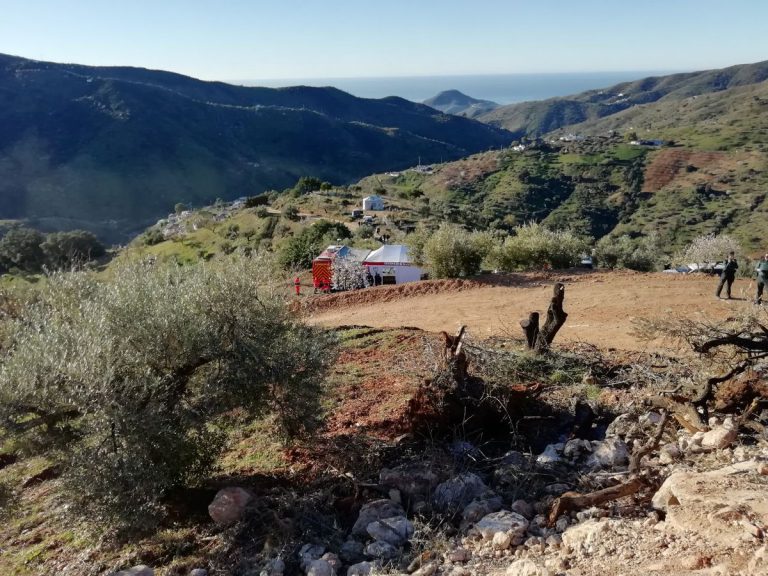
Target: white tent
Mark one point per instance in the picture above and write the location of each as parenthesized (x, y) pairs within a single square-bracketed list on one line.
[(393, 264)]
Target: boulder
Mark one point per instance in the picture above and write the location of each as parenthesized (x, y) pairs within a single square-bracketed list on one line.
[(576, 448), (719, 437), (459, 491), (502, 521), (718, 506), (395, 531), (523, 508), (320, 567), (609, 453), (352, 552), (383, 550), (228, 505), (373, 511), (309, 553), (669, 453), (333, 560), (275, 567), (476, 510)]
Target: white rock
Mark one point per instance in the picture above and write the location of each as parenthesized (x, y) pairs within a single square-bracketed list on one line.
[(527, 567), (320, 568), (458, 555), (586, 536), (503, 521), (609, 453), (719, 438), (361, 568), (551, 454), (374, 511), (140, 570), (501, 541), (395, 531), (576, 447), (333, 560), (669, 453), (228, 505)]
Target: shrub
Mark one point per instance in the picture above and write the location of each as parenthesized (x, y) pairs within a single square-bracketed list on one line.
[(129, 376), (453, 252), (152, 237), (65, 249), (534, 246), (642, 254), (300, 250), (254, 201), (291, 212)]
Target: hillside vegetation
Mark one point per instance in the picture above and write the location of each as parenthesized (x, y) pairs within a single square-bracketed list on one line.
[(113, 149)]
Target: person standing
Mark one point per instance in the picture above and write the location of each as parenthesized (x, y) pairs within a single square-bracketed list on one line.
[(728, 275), (297, 285), (762, 278)]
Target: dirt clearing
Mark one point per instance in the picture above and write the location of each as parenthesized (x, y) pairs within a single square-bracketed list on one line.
[(601, 306)]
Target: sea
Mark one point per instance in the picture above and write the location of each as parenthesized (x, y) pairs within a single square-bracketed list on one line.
[(499, 88)]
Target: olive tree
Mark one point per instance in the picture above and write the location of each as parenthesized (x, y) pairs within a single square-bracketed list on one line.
[(127, 377), (453, 252)]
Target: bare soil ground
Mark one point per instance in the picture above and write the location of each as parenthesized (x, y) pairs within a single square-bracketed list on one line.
[(602, 306)]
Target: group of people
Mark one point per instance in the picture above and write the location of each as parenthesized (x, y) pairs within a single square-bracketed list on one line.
[(728, 275), (374, 280)]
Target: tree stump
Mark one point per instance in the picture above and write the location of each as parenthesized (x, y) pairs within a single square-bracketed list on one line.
[(539, 339)]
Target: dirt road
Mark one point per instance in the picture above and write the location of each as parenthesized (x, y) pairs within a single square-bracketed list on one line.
[(601, 305)]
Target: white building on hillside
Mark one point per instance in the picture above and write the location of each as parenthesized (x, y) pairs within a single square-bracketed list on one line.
[(373, 203)]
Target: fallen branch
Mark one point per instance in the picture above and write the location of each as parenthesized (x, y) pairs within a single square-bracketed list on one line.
[(574, 501), (683, 412), (648, 447)]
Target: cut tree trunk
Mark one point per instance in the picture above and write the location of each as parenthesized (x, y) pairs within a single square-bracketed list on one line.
[(575, 501), (539, 339)]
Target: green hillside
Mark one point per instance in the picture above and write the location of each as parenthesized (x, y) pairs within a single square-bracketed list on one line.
[(113, 149)]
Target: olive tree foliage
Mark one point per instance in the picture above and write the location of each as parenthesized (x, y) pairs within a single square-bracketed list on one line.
[(709, 249), (453, 252), (535, 246), (127, 377), (642, 254)]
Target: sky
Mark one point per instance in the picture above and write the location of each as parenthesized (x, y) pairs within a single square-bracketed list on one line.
[(235, 40)]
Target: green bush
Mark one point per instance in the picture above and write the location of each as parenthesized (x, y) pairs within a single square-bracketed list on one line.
[(453, 252), (642, 254), (534, 246), (300, 250), (128, 377)]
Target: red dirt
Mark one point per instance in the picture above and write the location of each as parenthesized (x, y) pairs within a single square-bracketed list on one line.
[(668, 163)]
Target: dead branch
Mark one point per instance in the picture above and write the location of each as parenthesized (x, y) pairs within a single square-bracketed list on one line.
[(650, 446), (539, 339), (575, 501), (683, 412)]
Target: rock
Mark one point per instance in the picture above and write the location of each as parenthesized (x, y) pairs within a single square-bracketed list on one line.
[(374, 511), (395, 496), (715, 505), (503, 521), (501, 541), (333, 560), (458, 555), (276, 567), (562, 524), (576, 448), (228, 505), (395, 531), (352, 551), (415, 481), (320, 568), (140, 570), (361, 568), (309, 553), (719, 438), (459, 491), (609, 453), (383, 550), (557, 488), (527, 567), (554, 541), (523, 508), (585, 537), (426, 570), (476, 510), (669, 453), (551, 454), (198, 572), (515, 458)]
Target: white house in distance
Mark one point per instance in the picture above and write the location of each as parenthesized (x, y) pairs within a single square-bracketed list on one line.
[(393, 264), (373, 203)]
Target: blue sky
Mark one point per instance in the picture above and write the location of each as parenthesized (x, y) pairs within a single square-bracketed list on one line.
[(241, 39)]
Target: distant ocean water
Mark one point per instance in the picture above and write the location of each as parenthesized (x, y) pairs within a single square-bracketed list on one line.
[(501, 88)]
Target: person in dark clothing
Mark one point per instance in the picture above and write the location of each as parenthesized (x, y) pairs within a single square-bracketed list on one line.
[(762, 278), (728, 275), (376, 279), (369, 278)]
